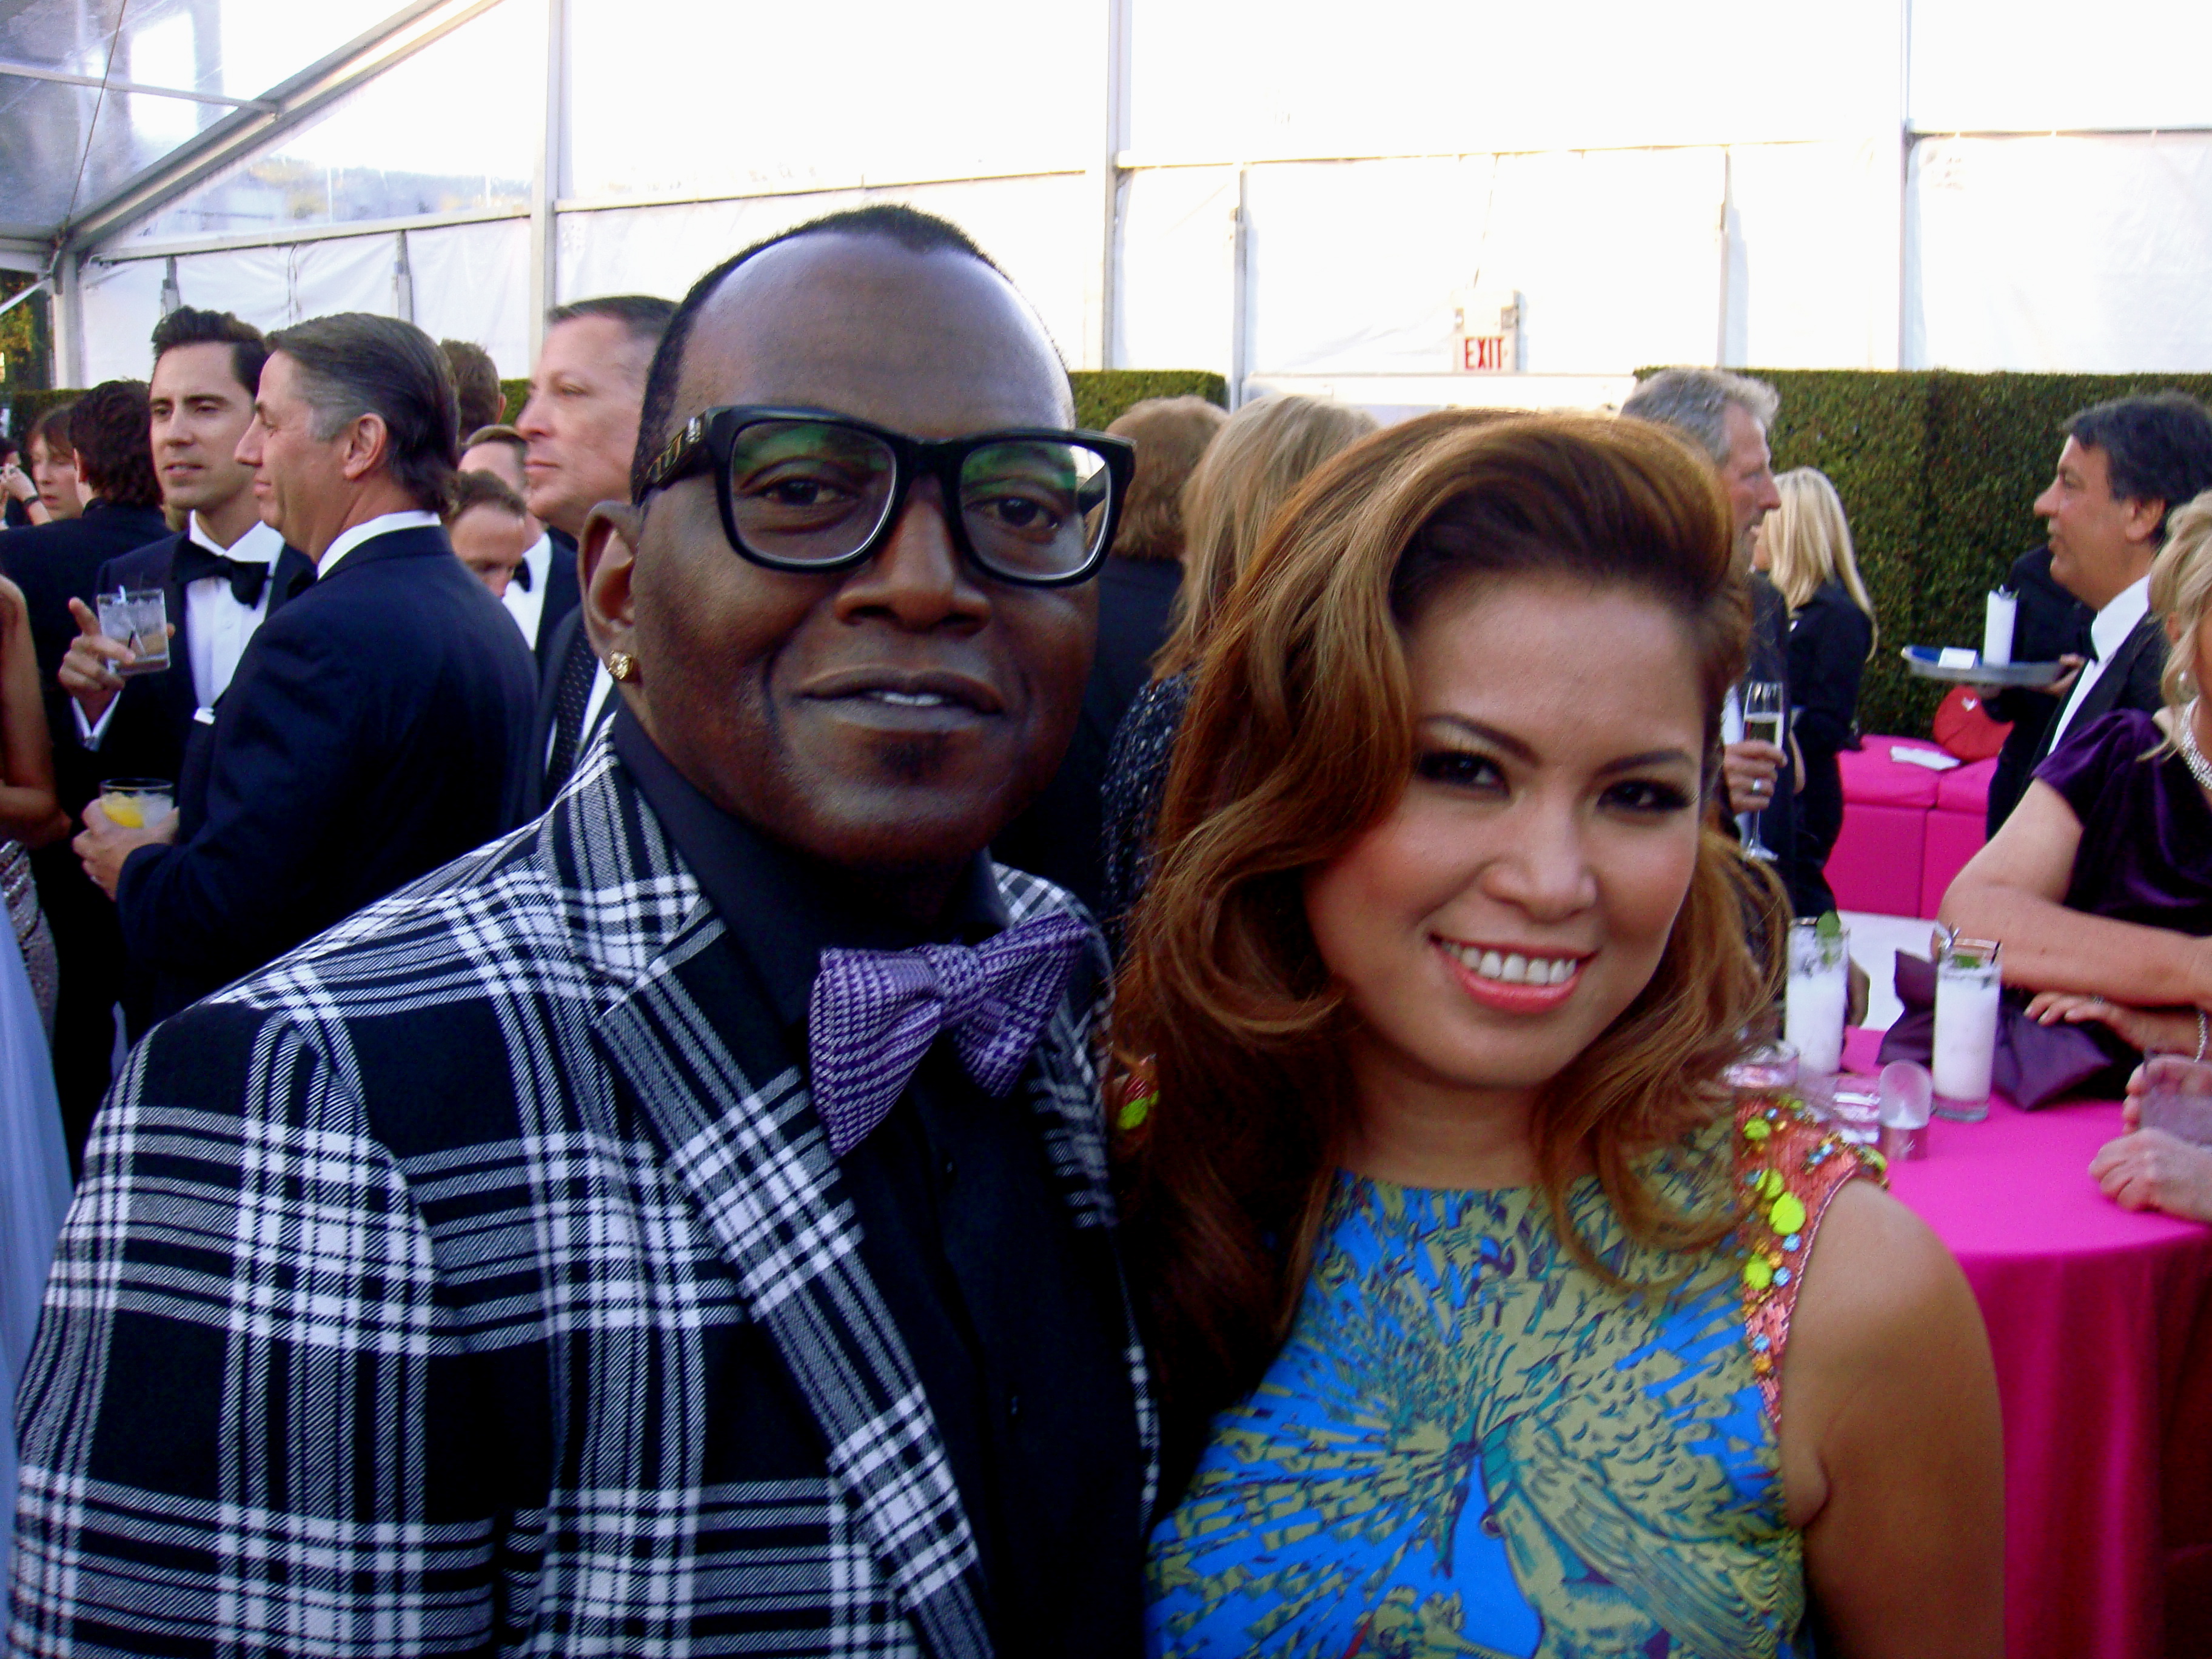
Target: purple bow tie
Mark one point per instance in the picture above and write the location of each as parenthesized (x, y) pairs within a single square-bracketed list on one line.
[(873, 1014)]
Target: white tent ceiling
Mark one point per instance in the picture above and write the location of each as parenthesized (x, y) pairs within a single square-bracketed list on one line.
[(1273, 190)]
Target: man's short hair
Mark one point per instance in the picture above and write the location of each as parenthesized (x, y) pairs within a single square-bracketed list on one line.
[(354, 364), (474, 489), (646, 316), (476, 384), (500, 433), (2158, 447), (187, 326), (911, 229), (1695, 401), (110, 429)]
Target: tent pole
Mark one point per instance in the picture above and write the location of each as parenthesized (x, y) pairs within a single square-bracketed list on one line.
[(548, 177)]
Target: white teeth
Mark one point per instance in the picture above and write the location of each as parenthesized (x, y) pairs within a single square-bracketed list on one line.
[(909, 699), (1514, 968)]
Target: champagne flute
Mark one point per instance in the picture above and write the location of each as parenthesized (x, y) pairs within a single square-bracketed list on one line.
[(1765, 720)]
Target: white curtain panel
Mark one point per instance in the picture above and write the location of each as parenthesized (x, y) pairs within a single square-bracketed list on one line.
[(1037, 228), (1176, 268), (1814, 258), (2089, 254), (473, 282), (122, 303)]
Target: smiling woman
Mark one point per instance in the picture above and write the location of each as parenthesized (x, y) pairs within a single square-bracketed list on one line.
[(1471, 1283)]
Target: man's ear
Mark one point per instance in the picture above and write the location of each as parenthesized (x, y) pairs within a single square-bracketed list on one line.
[(367, 441), (606, 558), (2140, 519)]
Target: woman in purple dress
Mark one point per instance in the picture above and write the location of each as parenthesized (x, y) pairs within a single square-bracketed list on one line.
[(2100, 885)]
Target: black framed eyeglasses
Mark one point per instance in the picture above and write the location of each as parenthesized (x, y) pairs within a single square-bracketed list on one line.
[(807, 491)]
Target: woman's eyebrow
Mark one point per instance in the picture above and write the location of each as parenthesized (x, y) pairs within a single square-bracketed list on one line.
[(1520, 751)]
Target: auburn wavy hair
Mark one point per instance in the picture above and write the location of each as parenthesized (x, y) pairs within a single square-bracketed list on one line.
[(1300, 736)]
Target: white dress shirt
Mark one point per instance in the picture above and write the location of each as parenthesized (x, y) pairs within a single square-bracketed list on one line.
[(527, 605), (2109, 632), (217, 626), (382, 525)]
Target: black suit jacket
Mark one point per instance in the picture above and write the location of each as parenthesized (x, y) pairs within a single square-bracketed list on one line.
[(561, 595), (152, 722), (54, 563), (375, 729), (2130, 681)]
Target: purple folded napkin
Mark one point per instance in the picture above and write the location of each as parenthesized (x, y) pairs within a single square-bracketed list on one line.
[(2034, 1063)]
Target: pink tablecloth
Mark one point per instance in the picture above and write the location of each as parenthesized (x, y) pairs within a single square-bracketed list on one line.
[(2102, 1325)]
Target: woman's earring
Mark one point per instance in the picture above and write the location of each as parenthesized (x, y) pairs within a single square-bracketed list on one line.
[(622, 665)]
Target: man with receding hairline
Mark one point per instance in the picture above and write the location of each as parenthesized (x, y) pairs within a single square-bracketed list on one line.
[(683, 1226), (580, 429)]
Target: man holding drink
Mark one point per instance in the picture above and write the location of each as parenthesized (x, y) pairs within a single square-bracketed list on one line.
[(375, 728)]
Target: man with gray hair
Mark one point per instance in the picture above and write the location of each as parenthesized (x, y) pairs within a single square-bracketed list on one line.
[(377, 726), (1726, 415)]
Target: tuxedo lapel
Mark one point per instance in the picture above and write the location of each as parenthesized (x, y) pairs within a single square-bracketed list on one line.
[(2112, 685), (292, 574), (753, 1156)]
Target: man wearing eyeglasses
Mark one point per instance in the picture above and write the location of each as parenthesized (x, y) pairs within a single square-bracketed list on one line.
[(683, 1226)]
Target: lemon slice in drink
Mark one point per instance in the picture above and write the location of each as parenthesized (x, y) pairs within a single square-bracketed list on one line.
[(124, 811)]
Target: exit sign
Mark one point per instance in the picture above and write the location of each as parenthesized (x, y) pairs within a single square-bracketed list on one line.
[(1486, 330)]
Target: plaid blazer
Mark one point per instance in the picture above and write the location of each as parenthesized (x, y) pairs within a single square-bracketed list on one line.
[(478, 1145)]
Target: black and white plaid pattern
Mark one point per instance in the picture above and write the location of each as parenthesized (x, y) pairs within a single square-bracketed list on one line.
[(465, 1189)]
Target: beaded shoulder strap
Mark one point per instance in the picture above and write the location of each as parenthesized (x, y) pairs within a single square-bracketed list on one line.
[(1791, 1164)]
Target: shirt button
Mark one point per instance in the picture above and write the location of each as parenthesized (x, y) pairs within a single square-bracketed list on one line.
[(1014, 1407), (948, 1171)]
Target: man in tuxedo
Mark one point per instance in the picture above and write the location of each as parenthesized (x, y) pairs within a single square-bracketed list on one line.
[(1727, 416), (580, 424), (499, 451), (489, 528), (58, 564), (223, 575), (2124, 466), (375, 726), (686, 1221)]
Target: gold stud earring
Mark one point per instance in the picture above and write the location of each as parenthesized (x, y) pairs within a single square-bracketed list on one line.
[(621, 664)]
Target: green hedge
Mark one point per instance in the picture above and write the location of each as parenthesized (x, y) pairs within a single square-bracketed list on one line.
[(1939, 472), (1103, 395)]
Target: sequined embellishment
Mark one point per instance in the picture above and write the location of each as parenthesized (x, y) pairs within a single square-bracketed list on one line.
[(1790, 1169)]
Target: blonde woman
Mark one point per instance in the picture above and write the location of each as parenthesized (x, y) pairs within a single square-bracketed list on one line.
[(1254, 464), (2100, 884), (1805, 546)]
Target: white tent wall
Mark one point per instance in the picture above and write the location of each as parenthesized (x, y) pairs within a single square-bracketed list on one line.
[(1823, 183), (2091, 254), (473, 282), (1035, 227)]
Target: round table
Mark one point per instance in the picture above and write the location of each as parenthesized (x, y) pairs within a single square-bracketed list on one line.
[(2100, 1322)]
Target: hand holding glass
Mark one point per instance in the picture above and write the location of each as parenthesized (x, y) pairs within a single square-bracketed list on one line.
[(138, 620), (1765, 720)]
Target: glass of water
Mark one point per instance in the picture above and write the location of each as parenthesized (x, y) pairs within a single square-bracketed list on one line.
[(138, 619), (1969, 994), (1818, 993)]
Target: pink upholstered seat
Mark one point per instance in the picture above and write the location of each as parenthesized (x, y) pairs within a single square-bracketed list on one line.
[(1907, 830)]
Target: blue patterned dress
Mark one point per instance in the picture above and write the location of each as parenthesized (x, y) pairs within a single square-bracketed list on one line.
[(1470, 1445)]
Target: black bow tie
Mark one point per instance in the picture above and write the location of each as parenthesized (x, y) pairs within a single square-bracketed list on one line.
[(521, 576), (245, 578)]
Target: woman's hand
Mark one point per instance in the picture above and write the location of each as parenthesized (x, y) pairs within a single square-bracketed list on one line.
[(2151, 1169), (2152, 1031), (12, 480)]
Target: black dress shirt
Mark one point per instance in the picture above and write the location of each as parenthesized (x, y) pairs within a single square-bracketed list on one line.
[(1012, 1316)]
